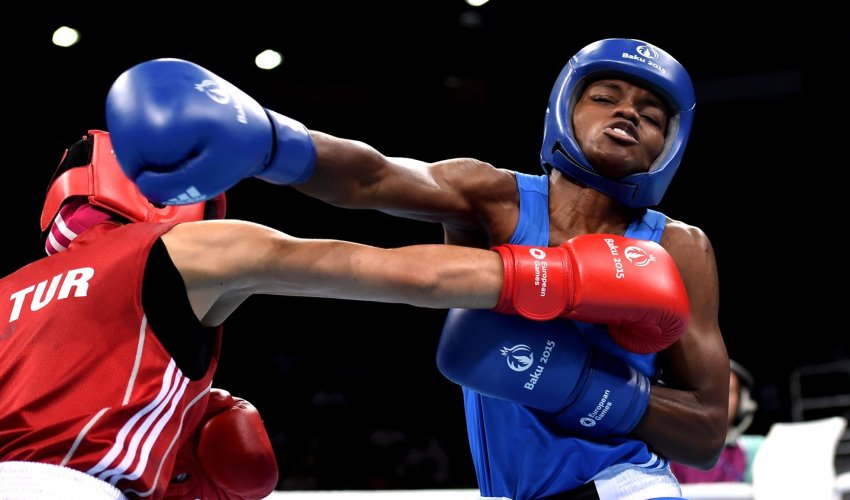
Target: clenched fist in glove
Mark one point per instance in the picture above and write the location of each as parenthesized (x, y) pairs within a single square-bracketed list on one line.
[(183, 134), (229, 456), (633, 286)]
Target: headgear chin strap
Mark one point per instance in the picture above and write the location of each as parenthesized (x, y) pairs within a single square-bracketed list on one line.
[(89, 169), (647, 66)]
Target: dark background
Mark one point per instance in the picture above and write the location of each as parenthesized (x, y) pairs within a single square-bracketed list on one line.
[(351, 395)]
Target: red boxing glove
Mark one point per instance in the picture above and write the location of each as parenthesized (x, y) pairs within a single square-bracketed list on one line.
[(228, 457), (633, 286)]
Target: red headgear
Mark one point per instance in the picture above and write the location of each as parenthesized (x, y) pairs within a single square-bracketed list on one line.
[(93, 171)]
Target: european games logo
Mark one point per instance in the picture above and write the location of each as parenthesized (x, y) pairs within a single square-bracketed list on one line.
[(638, 256), (213, 91), (519, 357), (647, 52)]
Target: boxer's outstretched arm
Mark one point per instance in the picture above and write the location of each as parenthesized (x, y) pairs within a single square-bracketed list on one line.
[(686, 418), (224, 262)]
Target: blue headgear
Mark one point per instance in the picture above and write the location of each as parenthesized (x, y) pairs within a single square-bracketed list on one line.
[(646, 65)]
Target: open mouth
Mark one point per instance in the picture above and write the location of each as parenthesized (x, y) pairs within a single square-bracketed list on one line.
[(622, 132)]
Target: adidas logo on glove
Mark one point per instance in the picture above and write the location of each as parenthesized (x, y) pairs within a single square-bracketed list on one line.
[(191, 195)]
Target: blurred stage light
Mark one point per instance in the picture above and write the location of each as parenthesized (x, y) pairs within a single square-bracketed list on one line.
[(65, 36), (268, 59)]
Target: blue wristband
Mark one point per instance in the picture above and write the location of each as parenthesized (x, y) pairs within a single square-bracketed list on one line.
[(293, 156)]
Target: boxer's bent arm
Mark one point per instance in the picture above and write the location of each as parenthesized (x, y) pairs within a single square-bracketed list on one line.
[(686, 419), (224, 262)]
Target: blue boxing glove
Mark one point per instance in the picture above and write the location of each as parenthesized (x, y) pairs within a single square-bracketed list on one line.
[(545, 365), (184, 135)]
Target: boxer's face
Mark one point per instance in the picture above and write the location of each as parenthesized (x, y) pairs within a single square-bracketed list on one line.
[(620, 127)]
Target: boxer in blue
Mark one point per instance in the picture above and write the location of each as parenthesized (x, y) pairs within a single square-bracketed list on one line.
[(593, 407)]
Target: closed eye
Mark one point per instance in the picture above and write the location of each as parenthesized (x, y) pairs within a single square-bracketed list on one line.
[(652, 119)]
